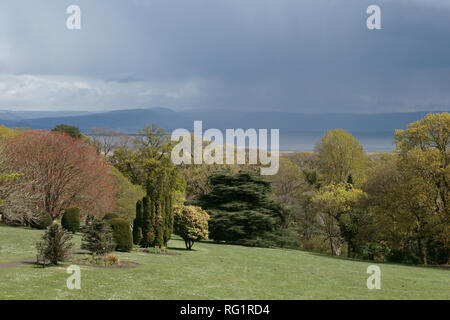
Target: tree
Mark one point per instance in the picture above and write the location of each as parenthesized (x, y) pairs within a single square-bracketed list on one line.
[(71, 220), (7, 133), (339, 155), (122, 235), (126, 196), (404, 196), (240, 207), (150, 166), (336, 205), (148, 222), (137, 224), (191, 224), (169, 219), (97, 236), (72, 131), (289, 185), (56, 244), (424, 153), (106, 140), (58, 172)]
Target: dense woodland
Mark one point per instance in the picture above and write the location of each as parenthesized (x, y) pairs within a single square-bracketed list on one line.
[(122, 191)]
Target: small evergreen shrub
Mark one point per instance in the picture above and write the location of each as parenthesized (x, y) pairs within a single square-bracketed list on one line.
[(97, 236), (55, 245), (71, 220), (122, 234)]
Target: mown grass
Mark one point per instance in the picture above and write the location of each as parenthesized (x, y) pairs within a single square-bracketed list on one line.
[(214, 271)]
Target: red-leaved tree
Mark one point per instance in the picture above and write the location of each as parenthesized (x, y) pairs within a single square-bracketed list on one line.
[(59, 172)]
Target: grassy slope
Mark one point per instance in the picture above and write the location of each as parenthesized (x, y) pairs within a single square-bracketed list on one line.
[(214, 271)]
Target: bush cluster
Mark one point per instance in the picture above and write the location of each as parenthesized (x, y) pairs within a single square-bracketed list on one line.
[(71, 220)]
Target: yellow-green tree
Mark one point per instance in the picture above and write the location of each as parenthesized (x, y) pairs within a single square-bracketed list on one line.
[(424, 150), (424, 157), (126, 197), (340, 155), (191, 224), (402, 207), (336, 206), (289, 186), (7, 133)]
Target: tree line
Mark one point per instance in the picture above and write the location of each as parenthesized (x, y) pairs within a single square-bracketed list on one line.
[(336, 200)]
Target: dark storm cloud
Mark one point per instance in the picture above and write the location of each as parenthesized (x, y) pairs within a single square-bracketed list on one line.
[(304, 56)]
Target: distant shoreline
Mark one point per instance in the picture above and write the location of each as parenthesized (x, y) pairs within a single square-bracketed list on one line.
[(289, 152)]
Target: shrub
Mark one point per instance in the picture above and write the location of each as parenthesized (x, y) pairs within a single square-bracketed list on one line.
[(71, 220), (41, 221), (112, 259), (97, 236), (56, 244), (122, 234), (191, 224), (110, 216)]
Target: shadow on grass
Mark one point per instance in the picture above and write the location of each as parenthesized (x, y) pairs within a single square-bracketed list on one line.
[(180, 249), (324, 255)]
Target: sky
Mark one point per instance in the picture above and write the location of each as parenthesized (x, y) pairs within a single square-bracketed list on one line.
[(309, 56)]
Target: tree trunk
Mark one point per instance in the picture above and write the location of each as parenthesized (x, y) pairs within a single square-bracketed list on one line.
[(423, 252)]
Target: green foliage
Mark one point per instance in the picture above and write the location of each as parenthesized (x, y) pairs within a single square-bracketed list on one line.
[(148, 223), (339, 155), (72, 131), (126, 196), (148, 164), (56, 244), (281, 238), (110, 216), (336, 206), (169, 219), (425, 157), (41, 220), (71, 220), (7, 133), (240, 207), (157, 221), (191, 224), (97, 236), (123, 237), (137, 224)]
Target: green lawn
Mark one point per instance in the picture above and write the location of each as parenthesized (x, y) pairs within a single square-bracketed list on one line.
[(214, 271)]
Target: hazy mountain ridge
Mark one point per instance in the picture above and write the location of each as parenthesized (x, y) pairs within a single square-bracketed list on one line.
[(133, 120)]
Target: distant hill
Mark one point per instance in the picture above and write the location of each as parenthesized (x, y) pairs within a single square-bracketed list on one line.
[(131, 121)]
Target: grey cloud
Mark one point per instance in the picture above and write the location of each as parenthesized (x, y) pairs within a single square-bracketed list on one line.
[(304, 56)]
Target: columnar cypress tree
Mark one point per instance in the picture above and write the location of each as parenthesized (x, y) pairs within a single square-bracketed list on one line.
[(148, 231), (137, 223), (157, 214), (159, 226), (169, 219)]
